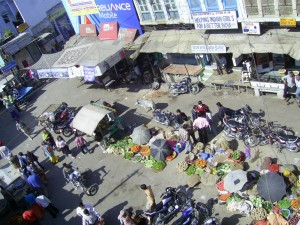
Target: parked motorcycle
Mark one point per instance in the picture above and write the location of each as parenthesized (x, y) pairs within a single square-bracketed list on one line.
[(165, 118), (184, 86), (244, 115), (172, 201), (63, 125), (239, 131)]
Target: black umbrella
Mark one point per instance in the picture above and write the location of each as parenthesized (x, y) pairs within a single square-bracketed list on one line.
[(160, 149), (271, 187)]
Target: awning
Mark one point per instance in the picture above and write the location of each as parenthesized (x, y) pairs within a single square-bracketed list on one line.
[(46, 61), (182, 69), (279, 41), (91, 54), (16, 44), (135, 47), (88, 117)]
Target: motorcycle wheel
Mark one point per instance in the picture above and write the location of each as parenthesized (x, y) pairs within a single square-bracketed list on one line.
[(227, 131), (175, 94), (295, 149), (250, 140), (67, 132), (56, 130), (195, 89)]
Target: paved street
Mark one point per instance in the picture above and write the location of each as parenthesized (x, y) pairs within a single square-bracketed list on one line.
[(118, 179)]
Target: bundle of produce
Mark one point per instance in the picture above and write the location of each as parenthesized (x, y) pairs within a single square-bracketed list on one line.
[(259, 214), (182, 166)]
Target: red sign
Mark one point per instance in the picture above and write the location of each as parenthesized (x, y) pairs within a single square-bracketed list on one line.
[(88, 30), (108, 31)]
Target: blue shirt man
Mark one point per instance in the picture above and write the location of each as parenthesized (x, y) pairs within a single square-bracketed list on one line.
[(35, 181)]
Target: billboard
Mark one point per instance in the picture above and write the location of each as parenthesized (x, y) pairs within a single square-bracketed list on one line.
[(215, 20), (122, 11), (82, 7)]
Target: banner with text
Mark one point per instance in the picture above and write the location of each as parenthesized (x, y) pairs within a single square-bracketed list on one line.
[(89, 73), (215, 20), (208, 48), (53, 73), (82, 7), (250, 28)]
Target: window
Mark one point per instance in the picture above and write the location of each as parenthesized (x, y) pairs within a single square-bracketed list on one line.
[(229, 4), (172, 9), (285, 7), (158, 10), (5, 18), (195, 5), (251, 7), (145, 13), (212, 5), (268, 7)]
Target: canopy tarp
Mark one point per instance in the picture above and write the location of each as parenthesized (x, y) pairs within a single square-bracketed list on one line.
[(91, 54), (46, 61), (279, 41), (88, 117)]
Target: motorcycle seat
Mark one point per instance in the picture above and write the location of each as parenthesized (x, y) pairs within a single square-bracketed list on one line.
[(290, 138)]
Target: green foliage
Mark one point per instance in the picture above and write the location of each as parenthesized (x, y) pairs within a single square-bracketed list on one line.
[(159, 165), (191, 170)]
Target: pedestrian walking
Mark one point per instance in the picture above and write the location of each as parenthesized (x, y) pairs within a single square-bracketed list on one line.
[(23, 128), (125, 218), (209, 118), (201, 124), (37, 184), (5, 152), (63, 147), (91, 218), (32, 158), (190, 129), (194, 112), (45, 202), (81, 143), (47, 136), (49, 152), (185, 137), (202, 108), (82, 206), (289, 85), (22, 160), (150, 197), (297, 81)]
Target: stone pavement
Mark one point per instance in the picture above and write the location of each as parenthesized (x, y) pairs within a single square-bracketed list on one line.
[(118, 179)]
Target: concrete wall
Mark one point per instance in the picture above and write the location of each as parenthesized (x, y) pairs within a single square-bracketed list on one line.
[(7, 7), (34, 11)]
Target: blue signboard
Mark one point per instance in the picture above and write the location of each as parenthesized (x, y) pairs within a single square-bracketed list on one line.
[(122, 11), (9, 66)]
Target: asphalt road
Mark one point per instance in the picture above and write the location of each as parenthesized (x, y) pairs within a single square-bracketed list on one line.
[(117, 179)]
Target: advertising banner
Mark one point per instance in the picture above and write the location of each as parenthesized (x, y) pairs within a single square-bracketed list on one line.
[(208, 48), (108, 31), (82, 7), (288, 22), (88, 30), (53, 73), (251, 28), (89, 73), (122, 11), (215, 20)]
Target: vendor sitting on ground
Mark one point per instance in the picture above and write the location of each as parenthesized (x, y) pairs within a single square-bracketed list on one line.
[(180, 116)]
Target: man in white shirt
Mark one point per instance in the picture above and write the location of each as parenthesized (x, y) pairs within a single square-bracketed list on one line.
[(83, 206), (297, 81), (90, 217), (45, 202), (290, 85)]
